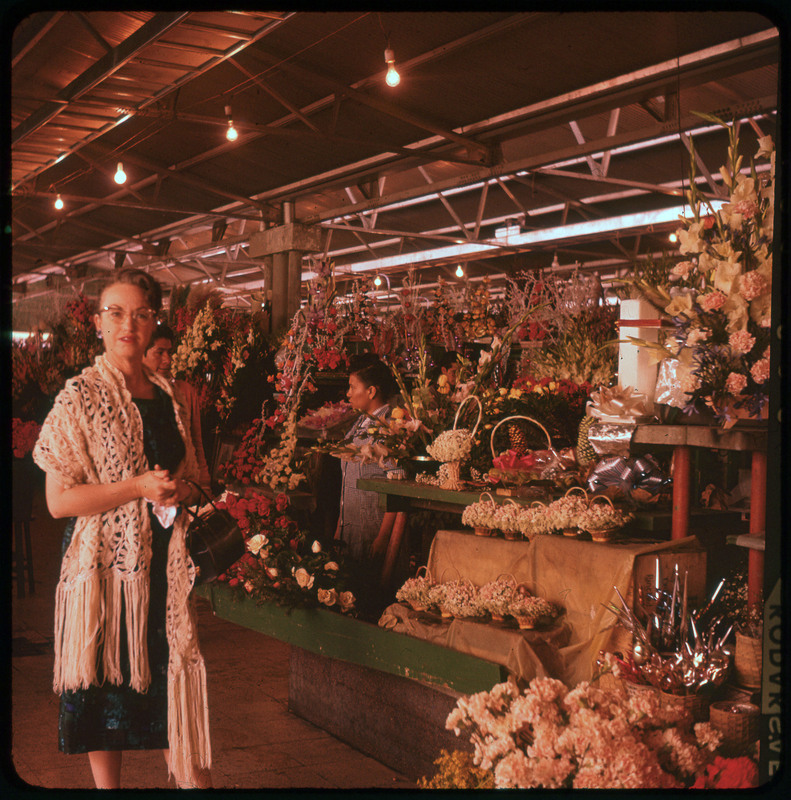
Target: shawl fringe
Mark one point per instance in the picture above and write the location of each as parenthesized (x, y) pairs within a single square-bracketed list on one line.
[(188, 722)]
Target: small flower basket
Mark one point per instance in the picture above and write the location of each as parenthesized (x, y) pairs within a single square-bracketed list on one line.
[(415, 591), (602, 520), (460, 599), (454, 446), (508, 519), (495, 596), (530, 611), (481, 516), (739, 724), (747, 660)]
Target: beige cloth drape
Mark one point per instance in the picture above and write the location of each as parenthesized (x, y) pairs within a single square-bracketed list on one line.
[(578, 575)]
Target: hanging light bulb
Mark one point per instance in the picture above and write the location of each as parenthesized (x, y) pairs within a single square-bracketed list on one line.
[(231, 134), (120, 175), (392, 78), (377, 281), (673, 237), (58, 203), (459, 272)]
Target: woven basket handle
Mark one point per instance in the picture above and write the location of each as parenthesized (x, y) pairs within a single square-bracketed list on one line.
[(485, 494), (578, 489), (480, 413), (506, 575), (445, 572), (518, 416), (601, 497), (538, 503), (423, 567)]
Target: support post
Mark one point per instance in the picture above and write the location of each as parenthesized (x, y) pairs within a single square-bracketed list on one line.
[(681, 491), (755, 564)]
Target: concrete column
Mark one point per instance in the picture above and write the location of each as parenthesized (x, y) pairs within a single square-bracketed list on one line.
[(281, 299)]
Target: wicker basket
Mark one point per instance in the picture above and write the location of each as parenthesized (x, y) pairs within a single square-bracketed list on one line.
[(747, 660), (739, 724), (696, 705)]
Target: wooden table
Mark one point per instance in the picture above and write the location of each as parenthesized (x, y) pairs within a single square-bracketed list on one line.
[(682, 438)]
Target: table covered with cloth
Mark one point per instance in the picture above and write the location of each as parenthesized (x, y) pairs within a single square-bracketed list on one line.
[(577, 575)]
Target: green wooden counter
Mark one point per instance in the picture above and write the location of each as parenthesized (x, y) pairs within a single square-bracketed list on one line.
[(338, 636)]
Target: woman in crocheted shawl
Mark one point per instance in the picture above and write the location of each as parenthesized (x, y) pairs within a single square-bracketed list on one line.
[(118, 459)]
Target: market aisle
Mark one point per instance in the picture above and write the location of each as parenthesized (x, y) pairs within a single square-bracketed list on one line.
[(256, 742)]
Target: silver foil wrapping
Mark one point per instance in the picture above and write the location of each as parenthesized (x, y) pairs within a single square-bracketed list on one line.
[(668, 384), (611, 438)]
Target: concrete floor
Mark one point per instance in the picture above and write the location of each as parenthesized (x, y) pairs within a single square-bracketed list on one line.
[(256, 742)]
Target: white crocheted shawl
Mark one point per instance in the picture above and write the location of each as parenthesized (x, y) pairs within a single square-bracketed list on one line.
[(94, 434)]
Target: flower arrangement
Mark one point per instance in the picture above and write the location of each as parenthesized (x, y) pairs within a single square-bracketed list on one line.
[(456, 599), (415, 592), (329, 415), (728, 773), (455, 770), (23, 436), (559, 405), (495, 597), (281, 563), (600, 517), (481, 514), (452, 445), (530, 611), (550, 737), (719, 295), (202, 350), (566, 512), (279, 470)]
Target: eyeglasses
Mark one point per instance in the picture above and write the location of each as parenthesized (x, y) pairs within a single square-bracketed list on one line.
[(139, 316)]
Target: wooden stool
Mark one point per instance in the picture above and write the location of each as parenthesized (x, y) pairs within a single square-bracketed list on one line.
[(23, 557)]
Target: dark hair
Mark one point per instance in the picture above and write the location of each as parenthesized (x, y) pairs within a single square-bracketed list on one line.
[(163, 331), (372, 371), (136, 277)]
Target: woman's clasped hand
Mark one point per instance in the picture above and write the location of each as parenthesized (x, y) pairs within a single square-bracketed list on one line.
[(158, 486)]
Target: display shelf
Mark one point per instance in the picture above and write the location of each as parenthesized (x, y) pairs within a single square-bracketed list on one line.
[(753, 439), (346, 638)]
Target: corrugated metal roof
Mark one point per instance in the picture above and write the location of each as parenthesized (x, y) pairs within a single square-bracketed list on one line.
[(498, 98)]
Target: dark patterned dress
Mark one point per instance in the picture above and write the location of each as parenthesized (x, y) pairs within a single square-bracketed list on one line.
[(113, 717)]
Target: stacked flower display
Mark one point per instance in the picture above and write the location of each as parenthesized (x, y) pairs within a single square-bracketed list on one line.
[(719, 297), (461, 599)]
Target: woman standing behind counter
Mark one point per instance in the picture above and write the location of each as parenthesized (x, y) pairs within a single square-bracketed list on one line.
[(118, 456), (360, 521)]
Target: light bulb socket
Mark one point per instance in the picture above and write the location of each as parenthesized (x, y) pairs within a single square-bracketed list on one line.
[(228, 111), (389, 56)]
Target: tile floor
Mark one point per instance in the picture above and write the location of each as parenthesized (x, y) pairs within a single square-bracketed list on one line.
[(256, 742)]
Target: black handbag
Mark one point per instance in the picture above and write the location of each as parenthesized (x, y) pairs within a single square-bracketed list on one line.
[(214, 541)]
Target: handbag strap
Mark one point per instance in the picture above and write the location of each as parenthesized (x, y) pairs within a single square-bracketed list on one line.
[(201, 492)]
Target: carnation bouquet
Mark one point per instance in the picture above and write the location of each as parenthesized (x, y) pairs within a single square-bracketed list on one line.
[(719, 293), (551, 737)]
